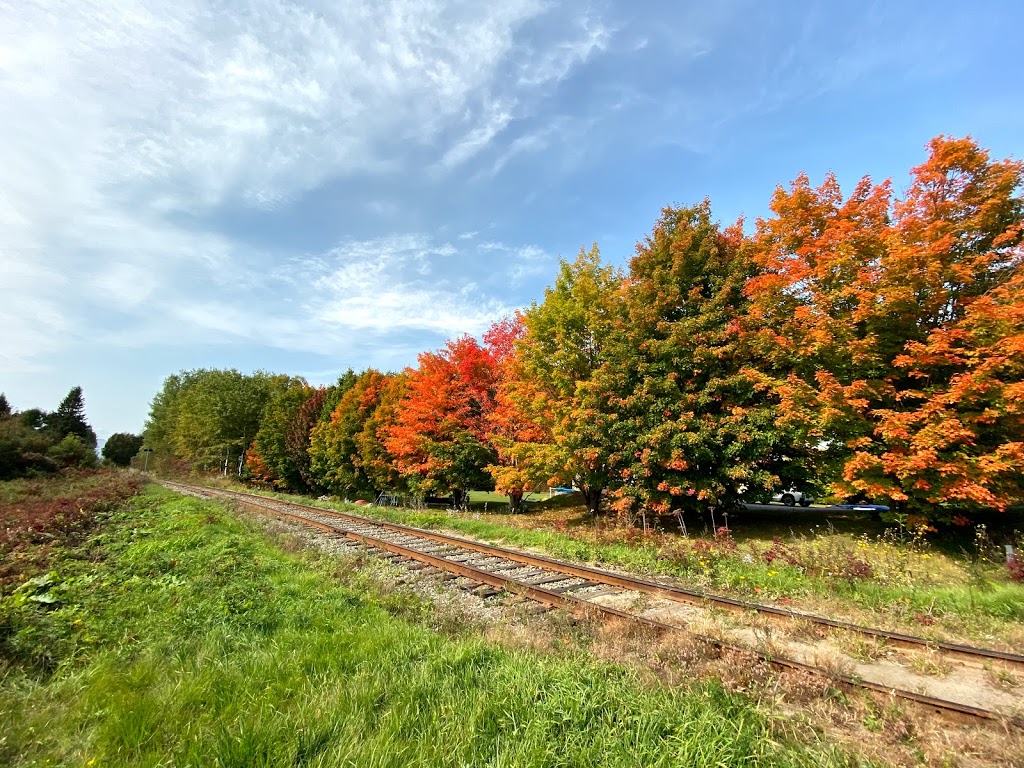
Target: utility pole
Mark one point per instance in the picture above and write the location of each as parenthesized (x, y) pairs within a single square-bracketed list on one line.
[(146, 452)]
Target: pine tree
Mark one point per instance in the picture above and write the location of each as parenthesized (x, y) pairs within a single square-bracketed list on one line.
[(69, 419)]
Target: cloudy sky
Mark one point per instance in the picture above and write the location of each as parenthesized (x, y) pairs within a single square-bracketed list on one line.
[(305, 187)]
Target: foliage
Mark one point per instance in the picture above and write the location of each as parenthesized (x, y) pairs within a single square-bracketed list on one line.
[(563, 347), (209, 416), (22, 449), (439, 435), (72, 452), (336, 458), (378, 464), (868, 345), (297, 437), (37, 515), (1015, 568), (69, 419), (512, 433), (694, 422), (878, 321), (121, 448), (274, 440), (37, 442)]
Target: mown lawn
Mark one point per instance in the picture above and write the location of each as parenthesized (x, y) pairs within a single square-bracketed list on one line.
[(179, 635)]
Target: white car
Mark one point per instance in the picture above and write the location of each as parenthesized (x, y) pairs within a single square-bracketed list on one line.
[(791, 498)]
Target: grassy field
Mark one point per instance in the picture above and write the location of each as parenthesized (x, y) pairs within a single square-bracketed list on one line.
[(848, 566), (177, 634)]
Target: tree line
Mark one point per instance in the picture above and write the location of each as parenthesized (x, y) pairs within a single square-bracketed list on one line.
[(38, 442), (867, 345)]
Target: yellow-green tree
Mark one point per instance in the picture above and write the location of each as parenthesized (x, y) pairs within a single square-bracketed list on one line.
[(564, 345)]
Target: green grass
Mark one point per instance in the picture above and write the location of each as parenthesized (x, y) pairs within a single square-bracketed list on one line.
[(179, 635), (976, 601)]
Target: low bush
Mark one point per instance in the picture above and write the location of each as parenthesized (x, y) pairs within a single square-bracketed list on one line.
[(40, 514)]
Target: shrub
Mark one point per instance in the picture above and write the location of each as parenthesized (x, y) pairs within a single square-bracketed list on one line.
[(1015, 565), (72, 452)]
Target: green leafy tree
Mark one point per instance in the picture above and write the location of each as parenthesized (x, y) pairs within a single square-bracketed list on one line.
[(694, 424), (210, 416), (5, 407), (336, 458), (22, 449), (72, 451), (564, 345), (121, 448), (272, 438), (33, 418)]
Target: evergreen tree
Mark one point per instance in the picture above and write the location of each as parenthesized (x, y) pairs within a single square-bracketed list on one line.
[(69, 419)]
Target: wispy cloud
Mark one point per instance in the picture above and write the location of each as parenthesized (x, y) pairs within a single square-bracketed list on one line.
[(407, 283), (128, 120), (499, 115), (554, 63), (360, 292)]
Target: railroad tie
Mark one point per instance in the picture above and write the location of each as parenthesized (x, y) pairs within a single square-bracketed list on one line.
[(573, 587)]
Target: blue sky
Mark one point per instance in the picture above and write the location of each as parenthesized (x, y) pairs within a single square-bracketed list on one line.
[(306, 187)]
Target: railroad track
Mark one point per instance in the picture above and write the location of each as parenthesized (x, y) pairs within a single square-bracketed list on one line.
[(578, 588)]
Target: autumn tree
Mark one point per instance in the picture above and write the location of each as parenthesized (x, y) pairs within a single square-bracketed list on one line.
[(516, 434), (335, 449), (297, 437), (257, 472), (378, 463), (855, 299), (439, 437), (695, 423), (278, 422), (946, 422), (564, 344)]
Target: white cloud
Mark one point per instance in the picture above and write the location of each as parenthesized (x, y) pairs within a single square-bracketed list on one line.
[(360, 294), (498, 117), (385, 285), (126, 118), (556, 62)]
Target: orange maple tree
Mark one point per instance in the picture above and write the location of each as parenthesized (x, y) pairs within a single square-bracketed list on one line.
[(513, 432), (885, 325), (439, 437)]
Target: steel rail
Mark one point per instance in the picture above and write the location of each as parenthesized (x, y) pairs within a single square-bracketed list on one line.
[(971, 654), (583, 608)]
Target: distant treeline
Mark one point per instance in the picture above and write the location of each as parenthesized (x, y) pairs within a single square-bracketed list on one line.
[(38, 442), (865, 346)]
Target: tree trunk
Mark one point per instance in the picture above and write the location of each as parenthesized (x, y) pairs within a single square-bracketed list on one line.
[(515, 502), (592, 498)]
